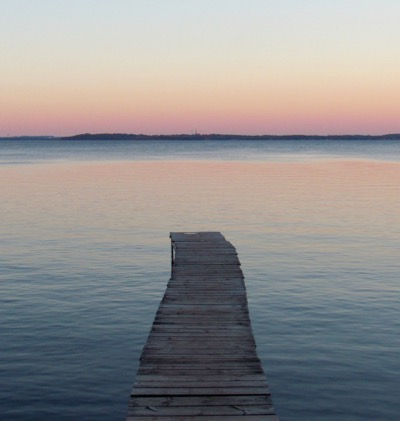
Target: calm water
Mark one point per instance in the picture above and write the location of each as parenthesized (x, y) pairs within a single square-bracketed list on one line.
[(84, 261)]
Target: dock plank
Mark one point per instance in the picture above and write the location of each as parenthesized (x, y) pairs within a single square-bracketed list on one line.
[(204, 418), (200, 360)]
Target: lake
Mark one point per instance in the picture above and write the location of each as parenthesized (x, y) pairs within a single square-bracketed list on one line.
[(85, 259)]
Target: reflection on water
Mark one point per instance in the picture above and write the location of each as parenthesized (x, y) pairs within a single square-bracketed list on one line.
[(84, 262)]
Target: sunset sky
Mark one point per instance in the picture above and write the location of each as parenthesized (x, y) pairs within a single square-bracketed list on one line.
[(215, 66)]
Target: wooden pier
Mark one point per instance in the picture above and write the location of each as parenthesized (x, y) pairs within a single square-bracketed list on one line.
[(200, 361)]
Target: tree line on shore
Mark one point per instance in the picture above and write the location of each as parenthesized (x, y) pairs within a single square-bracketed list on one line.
[(199, 136)]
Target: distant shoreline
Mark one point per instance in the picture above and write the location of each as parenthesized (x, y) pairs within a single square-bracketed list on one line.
[(198, 136)]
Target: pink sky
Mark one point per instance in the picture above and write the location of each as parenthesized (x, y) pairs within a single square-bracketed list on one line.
[(161, 67)]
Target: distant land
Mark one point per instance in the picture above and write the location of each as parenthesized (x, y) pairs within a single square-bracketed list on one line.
[(199, 136)]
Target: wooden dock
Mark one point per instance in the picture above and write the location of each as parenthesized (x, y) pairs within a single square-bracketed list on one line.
[(200, 361)]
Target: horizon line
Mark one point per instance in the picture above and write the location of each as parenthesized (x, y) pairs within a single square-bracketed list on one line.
[(201, 135)]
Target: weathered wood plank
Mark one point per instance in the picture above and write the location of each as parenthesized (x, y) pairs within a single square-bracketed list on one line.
[(231, 410), (172, 359), (200, 361), (204, 418), (218, 307), (176, 401), (193, 252), (199, 368), (196, 329), (176, 376), (206, 334), (179, 338), (214, 236), (193, 354), (207, 269), (198, 391), (211, 259), (206, 367), (207, 311), (199, 383), (209, 278), (202, 341)]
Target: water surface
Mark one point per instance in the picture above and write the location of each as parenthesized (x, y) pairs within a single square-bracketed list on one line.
[(84, 261)]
